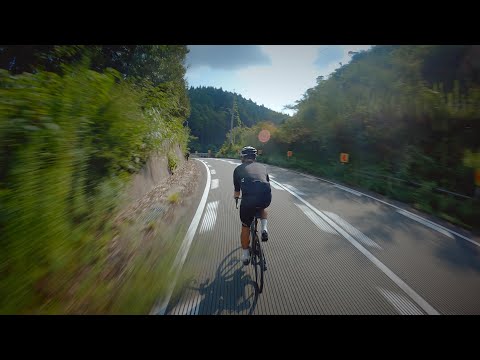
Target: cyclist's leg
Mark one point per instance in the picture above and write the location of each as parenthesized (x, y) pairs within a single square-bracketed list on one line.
[(245, 237), (263, 214), (247, 213), (266, 200)]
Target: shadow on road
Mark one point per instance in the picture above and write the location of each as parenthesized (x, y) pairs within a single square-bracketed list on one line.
[(231, 292)]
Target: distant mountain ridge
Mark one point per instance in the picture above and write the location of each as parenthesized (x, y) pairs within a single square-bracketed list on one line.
[(210, 116)]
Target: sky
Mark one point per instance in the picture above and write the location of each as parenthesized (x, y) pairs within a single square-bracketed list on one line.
[(270, 75)]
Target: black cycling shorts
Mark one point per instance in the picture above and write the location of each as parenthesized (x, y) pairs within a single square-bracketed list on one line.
[(249, 206)]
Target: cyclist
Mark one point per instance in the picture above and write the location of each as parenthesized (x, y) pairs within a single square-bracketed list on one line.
[(252, 179)]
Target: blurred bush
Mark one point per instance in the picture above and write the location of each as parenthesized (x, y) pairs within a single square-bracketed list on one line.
[(68, 144)]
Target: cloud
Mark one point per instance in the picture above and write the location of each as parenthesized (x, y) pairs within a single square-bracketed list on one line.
[(227, 57), (206, 76), (339, 55), (272, 75), (328, 54), (291, 74)]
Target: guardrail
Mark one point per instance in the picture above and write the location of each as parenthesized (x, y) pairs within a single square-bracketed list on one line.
[(413, 183), (200, 155)]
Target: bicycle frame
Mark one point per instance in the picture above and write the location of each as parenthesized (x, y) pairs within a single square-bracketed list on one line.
[(253, 226), (257, 258)]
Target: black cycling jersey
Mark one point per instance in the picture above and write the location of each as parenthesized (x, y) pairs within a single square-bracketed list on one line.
[(252, 178)]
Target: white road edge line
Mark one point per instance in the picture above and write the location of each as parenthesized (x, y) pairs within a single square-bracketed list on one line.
[(399, 282), (426, 223), (183, 251), (275, 186), (348, 190), (396, 207), (293, 188)]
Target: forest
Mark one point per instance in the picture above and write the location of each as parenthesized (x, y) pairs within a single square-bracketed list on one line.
[(407, 115)]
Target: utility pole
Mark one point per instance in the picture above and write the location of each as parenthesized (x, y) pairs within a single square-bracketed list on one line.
[(231, 127), (231, 120)]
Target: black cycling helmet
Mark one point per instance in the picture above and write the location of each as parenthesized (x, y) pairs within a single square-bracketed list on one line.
[(249, 152)]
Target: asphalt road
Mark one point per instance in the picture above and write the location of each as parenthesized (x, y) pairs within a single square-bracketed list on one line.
[(332, 250)]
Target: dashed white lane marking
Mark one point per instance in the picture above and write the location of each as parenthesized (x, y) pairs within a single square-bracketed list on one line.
[(317, 220), (394, 206), (357, 234), (213, 172), (402, 304), (210, 217), (398, 281), (426, 223), (215, 184), (413, 216)]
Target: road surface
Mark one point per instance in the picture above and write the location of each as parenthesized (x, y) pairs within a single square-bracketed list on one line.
[(332, 250)]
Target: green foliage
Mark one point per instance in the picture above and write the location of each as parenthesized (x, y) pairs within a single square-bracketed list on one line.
[(155, 63), (172, 161), (472, 160), (229, 150), (211, 115), (409, 112), (174, 198), (68, 143), (61, 142)]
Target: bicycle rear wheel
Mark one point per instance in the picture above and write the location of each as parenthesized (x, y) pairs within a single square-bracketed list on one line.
[(260, 265), (258, 262), (253, 254)]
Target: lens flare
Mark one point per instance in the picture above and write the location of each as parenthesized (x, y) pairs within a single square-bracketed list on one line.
[(264, 136)]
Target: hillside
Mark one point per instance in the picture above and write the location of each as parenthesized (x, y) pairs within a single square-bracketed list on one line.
[(210, 116), (407, 112)]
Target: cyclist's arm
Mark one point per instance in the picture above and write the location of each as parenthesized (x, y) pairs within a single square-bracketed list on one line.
[(236, 184)]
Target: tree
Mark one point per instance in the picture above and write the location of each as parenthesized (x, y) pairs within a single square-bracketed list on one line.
[(211, 114)]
